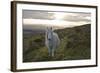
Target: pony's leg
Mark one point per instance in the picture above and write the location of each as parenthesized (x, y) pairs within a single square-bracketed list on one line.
[(52, 52), (49, 51)]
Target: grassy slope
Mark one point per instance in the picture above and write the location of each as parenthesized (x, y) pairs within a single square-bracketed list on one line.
[(75, 44)]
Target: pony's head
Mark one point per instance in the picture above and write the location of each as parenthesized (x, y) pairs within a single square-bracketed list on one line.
[(49, 33)]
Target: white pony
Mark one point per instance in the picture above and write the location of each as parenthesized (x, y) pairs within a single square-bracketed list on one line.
[(52, 41)]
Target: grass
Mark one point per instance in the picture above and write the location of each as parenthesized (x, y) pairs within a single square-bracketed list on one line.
[(74, 45)]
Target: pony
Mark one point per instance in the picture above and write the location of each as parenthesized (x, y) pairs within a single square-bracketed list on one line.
[(52, 41)]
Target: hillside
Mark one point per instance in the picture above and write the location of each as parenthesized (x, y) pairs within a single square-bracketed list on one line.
[(75, 44)]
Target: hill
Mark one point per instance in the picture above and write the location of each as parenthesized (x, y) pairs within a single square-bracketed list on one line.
[(75, 44)]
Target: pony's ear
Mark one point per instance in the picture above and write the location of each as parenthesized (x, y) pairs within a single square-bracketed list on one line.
[(47, 28)]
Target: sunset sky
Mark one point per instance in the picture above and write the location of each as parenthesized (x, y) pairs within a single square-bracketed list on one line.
[(55, 19)]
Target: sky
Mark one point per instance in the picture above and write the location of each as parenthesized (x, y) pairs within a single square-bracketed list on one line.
[(55, 19)]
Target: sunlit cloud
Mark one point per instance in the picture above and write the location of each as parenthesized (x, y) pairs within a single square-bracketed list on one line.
[(52, 23), (55, 19)]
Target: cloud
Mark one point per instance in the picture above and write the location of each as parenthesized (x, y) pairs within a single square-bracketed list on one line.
[(55, 19), (78, 18), (36, 14), (50, 23), (66, 16)]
